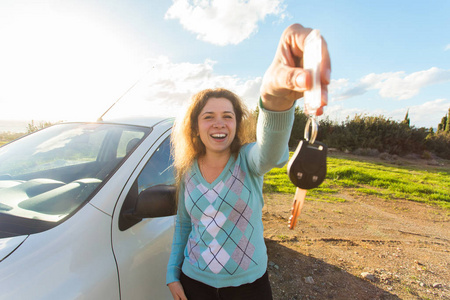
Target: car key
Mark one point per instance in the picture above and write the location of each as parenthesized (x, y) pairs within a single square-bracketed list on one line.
[(308, 166), (307, 169)]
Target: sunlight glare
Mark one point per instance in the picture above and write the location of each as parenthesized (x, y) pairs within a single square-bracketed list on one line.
[(64, 66)]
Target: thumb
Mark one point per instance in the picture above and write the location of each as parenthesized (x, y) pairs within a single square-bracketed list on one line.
[(282, 77), (301, 79)]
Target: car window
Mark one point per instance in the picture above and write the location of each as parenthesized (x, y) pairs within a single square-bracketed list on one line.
[(159, 169), (55, 147), (51, 173), (128, 140)]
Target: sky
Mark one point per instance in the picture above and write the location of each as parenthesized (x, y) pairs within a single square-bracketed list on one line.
[(71, 60)]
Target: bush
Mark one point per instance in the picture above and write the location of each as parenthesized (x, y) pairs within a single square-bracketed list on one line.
[(439, 144), (376, 132)]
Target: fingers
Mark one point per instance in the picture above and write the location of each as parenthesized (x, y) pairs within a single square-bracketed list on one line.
[(287, 57), (325, 76), (325, 65), (291, 45), (323, 99), (319, 111), (295, 36), (324, 95), (177, 290), (291, 49), (293, 79)]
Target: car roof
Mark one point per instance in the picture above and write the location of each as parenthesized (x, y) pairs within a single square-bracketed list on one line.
[(138, 121)]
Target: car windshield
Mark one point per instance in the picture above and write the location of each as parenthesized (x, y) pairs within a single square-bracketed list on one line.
[(49, 174)]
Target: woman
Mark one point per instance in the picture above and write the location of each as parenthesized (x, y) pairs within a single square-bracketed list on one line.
[(218, 251)]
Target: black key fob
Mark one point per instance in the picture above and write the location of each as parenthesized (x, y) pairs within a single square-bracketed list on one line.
[(307, 168)]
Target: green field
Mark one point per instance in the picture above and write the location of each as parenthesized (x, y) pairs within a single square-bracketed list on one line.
[(425, 184)]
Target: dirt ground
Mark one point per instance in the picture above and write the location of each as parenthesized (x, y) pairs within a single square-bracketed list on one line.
[(364, 248)]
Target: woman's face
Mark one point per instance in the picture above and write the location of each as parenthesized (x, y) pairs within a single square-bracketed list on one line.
[(217, 125)]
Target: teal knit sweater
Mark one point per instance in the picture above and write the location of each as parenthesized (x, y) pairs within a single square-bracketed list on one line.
[(218, 237)]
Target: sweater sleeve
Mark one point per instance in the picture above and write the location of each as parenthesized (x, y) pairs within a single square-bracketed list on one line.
[(180, 237), (272, 136)]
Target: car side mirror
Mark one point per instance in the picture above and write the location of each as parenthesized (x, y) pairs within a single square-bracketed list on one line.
[(153, 202)]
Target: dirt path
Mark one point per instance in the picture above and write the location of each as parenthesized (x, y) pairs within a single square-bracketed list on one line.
[(401, 248)]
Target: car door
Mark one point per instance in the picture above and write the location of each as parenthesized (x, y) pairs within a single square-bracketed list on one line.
[(142, 248)]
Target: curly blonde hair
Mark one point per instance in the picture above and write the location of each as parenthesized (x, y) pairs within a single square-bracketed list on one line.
[(186, 141)]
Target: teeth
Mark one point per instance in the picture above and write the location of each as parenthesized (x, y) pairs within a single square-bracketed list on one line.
[(219, 135)]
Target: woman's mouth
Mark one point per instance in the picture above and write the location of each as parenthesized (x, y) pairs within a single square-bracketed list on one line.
[(218, 136)]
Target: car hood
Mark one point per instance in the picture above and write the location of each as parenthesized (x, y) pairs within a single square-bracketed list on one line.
[(8, 245)]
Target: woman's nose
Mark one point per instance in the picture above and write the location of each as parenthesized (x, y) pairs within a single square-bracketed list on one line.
[(219, 123)]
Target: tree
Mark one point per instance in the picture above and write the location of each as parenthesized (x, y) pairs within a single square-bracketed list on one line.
[(444, 126), (407, 121), (447, 124)]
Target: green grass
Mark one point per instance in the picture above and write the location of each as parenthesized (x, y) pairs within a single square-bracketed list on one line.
[(391, 182)]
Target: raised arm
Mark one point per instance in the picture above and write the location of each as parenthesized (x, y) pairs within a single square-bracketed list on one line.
[(284, 82)]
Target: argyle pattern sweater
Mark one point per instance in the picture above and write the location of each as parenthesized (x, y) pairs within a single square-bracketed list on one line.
[(218, 237)]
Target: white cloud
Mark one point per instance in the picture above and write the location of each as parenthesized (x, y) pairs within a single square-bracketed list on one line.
[(342, 89), (397, 85), (168, 87), (339, 113), (223, 22), (447, 47), (338, 86)]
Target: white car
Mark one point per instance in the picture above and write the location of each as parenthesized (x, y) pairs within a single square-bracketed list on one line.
[(87, 211)]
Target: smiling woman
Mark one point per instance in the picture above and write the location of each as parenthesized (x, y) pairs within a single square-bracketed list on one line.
[(54, 59)]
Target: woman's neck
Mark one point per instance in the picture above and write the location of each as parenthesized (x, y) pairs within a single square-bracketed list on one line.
[(216, 160), (212, 164)]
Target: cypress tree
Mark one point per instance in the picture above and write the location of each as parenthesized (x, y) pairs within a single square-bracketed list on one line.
[(407, 121), (447, 124), (442, 126)]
